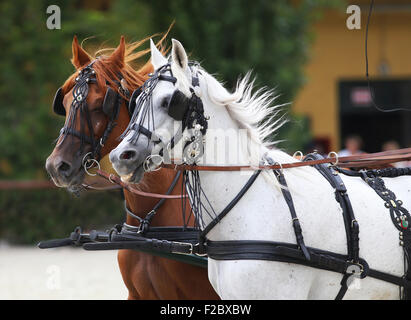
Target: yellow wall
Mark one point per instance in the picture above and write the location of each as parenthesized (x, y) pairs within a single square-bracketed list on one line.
[(338, 53)]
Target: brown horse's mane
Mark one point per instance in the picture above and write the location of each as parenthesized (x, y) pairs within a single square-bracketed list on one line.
[(109, 71)]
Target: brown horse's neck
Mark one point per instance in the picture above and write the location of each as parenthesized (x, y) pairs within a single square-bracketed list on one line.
[(154, 182)]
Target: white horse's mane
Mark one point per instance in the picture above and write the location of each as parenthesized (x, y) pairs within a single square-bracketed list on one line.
[(254, 110)]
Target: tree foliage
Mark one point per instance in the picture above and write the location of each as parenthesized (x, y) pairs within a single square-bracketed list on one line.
[(228, 37)]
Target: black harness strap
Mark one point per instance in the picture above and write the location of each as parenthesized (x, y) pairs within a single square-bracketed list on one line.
[(296, 223), (279, 251), (400, 218), (383, 173), (146, 221), (350, 223), (228, 208)]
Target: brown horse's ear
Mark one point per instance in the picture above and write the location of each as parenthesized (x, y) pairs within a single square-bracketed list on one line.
[(80, 57), (118, 55)]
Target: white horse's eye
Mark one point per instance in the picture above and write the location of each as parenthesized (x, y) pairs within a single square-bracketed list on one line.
[(165, 102)]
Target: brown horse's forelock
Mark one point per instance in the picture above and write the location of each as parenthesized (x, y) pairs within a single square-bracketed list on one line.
[(111, 72)]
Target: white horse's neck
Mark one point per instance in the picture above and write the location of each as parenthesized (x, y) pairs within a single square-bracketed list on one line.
[(263, 214), (228, 141)]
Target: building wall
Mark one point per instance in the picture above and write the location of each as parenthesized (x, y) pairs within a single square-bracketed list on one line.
[(338, 54)]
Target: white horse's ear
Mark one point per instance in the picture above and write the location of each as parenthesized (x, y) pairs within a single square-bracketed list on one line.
[(179, 55), (157, 58)]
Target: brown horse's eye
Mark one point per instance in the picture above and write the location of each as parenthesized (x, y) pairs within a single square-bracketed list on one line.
[(97, 110)]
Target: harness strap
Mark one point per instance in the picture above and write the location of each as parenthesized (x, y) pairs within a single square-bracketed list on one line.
[(350, 223), (279, 251), (115, 179), (228, 208), (383, 173), (150, 244), (286, 252), (145, 222), (163, 233), (71, 131), (361, 161), (296, 223), (400, 218), (184, 242)]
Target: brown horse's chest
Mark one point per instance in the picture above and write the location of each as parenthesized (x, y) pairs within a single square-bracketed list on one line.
[(151, 277)]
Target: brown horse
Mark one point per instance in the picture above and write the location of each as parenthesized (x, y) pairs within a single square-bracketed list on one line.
[(146, 276)]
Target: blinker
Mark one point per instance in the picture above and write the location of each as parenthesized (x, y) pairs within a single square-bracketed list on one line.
[(58, 106), (178, 105), (108, 102)]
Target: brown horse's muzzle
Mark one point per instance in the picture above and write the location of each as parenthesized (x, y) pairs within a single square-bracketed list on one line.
[(65, 165)]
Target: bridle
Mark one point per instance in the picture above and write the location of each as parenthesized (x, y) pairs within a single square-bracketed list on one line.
[(188, 110), (111, 107)]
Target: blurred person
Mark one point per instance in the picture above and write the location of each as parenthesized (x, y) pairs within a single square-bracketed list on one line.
[(394, 145), (390, 145), (353, 145)]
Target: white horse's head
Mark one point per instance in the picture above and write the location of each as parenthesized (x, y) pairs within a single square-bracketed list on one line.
[(160, 111)]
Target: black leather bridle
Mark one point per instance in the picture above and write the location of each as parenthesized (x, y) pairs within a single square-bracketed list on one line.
[(189, 111), (111, 107)]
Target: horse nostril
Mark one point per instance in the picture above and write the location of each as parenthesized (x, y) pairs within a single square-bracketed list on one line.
[(64, 167), (127, 155)]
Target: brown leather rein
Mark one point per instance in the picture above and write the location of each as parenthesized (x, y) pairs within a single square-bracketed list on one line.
[(115, 179), (358, 161)]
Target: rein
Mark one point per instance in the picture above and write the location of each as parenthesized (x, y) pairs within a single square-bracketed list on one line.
[(116, 180), (357, 161)]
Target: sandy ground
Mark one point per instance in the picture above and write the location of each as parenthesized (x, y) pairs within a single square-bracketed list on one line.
[(60, 273)]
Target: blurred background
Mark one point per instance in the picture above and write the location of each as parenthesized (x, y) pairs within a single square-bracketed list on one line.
[(302, 48)]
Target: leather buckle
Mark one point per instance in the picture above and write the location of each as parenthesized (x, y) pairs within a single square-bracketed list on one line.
[(190, 246)]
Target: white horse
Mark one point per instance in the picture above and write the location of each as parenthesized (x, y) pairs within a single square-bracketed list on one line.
[(262, 213)]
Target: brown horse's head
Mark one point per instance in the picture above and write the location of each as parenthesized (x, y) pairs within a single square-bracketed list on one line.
[(94, 101)]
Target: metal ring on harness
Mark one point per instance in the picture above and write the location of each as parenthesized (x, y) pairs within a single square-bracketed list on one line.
[(353, 269), (109, 178), (281, 166), (336, 157), (83, 162), (146, 163), (92, 162), (298, 153), (200, 254)]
